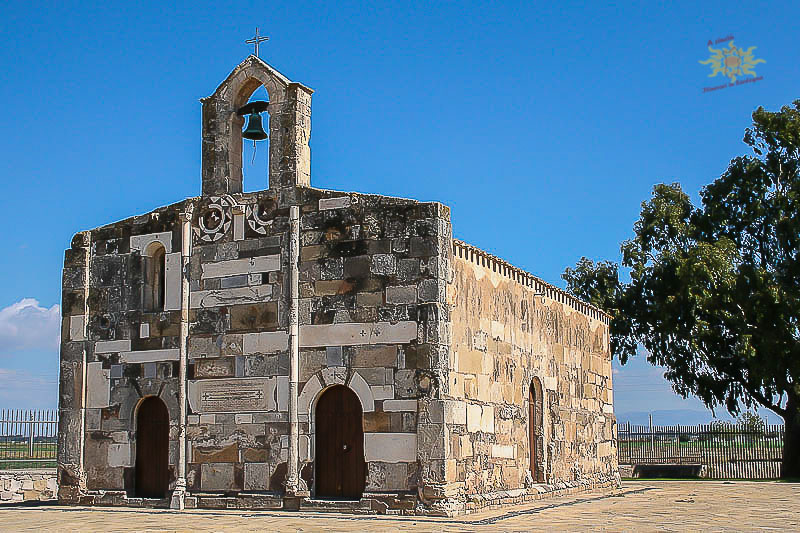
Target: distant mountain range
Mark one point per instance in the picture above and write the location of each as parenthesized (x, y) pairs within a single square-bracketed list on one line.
[(687, 417)]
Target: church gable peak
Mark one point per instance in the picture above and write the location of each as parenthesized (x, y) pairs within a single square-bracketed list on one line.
[(289, 129)]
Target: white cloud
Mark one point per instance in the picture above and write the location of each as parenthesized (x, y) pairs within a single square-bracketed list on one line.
[(26, 325)]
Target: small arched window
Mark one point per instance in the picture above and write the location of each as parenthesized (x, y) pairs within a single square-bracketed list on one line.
[(154, 281)]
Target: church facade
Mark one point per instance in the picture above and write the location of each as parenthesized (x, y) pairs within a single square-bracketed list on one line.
[(306, 348)]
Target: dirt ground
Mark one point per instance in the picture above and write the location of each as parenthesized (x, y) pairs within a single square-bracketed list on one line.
[(638, 506)]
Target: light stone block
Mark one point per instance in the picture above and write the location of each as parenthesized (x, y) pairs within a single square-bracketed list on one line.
[(123, 345), (234, 267), (354, 334), (140, 243), (217, 476), (465, 445), (310, 391), (334, 203), (359, 385), (144, 330), (390, 406), (238, 227), (172, 281), (473, 417), (498, 330), (487, 419), (455, 412), (267, 342), (208, 419), (506, 452), (243, 418), (282, 392), (119, 454), (305, 447), (193, 420), (150, 356), (390, 447), (382, 392), (236, 296), (77, 328), (550, 383), (98, 386)]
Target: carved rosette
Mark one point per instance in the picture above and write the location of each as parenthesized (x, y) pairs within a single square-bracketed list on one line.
[(213, 219), (259, 216)]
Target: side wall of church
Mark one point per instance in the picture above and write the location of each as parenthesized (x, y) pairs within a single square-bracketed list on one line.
[(509, 330)]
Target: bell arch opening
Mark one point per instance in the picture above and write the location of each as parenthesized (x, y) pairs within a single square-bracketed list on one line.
[(250, 158)]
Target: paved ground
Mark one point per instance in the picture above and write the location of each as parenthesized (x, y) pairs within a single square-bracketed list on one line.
[(639, 506)]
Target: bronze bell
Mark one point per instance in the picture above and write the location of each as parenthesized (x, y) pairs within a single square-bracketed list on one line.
[(254, 130)]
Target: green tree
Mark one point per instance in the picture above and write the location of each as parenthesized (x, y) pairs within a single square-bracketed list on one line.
[(714, 291)]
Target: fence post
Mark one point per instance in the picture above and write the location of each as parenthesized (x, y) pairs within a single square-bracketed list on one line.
[(30, 433)]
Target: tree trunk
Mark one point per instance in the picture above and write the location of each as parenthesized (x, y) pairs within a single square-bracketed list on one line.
[(791, 440)]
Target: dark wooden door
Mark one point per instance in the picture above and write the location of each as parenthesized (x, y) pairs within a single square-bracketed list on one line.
[(532, 432), (340, 467), (152, 449), (535, 429)]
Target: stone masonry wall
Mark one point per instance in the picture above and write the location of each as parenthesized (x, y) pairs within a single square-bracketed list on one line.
[(27, 485), (372, 278), (130, 352), (508, 329)]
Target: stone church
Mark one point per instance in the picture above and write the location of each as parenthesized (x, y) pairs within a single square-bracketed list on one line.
[(303, 348)]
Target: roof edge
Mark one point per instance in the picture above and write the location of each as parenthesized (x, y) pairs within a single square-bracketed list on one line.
[(468, 251)]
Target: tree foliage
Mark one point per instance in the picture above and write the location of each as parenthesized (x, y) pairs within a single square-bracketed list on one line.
[(714, 291)]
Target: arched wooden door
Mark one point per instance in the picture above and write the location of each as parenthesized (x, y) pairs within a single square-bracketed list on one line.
[(535, 429), (340, 469), (152, 449)]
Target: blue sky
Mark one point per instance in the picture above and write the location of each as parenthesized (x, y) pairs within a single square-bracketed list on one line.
[(542, 125)]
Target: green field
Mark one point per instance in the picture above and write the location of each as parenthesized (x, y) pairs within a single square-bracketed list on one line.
[(15, 455)]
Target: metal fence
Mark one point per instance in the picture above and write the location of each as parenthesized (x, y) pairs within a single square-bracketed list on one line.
[(28, 438), (724, 450)]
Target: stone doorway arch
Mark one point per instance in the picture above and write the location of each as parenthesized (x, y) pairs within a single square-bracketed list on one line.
[(152, 449), (340, 468), (536, 430)]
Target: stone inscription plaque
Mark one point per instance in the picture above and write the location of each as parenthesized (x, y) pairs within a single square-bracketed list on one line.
[(231, 395), (232, 398)]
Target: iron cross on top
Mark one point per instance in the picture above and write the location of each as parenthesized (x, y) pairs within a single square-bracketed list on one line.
[(256, 40)]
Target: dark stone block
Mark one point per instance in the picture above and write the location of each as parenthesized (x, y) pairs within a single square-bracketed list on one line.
[(254, 317), (357, 266), (348, 248), (422, 247), (107, 271), (71, 303)]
